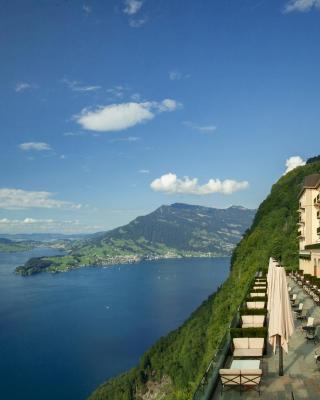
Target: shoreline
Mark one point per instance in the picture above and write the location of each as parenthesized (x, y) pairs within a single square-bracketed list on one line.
[(119, 260)]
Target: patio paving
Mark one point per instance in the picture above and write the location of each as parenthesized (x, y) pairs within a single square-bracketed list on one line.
[(301, 374)]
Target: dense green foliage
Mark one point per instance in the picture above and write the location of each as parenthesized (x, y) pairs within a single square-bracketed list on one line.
[(248, 332), (313, 159), (184, 354), (253, 311), (179, 230)]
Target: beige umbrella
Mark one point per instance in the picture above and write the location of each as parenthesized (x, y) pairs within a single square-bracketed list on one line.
[(271, 267), (281, 324)]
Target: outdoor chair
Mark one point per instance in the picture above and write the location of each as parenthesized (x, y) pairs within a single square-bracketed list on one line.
[(230, 379), (248, 347), (257, 294), (255, 304), (245, 379), (250, 379), (294, 298), (309, 329), (299, 310), (252, 321), (303, 316)]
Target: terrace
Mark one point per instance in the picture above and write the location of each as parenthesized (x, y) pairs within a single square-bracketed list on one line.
[(301, 379)]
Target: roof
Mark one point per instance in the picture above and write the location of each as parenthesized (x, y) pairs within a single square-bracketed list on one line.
[(310, 182)]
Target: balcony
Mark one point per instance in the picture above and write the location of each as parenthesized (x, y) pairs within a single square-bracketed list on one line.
[(318, 230), (300, 235), (301, 206), (316, 201), (301, 221), (318, 214), (305, 255)]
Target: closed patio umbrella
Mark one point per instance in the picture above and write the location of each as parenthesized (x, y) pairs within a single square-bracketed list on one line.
[(271, 267), (281, 324)]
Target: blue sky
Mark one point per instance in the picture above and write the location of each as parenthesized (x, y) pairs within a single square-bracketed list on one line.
[(110, 109)]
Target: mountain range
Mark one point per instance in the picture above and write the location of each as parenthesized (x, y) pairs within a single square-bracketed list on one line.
[(177, 230)]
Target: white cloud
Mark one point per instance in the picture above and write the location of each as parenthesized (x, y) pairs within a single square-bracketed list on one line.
[(136, 97), (116, 92), (294, 162), (87, 9), (171, 184), (206, 128), (33, 225), (23, 86), (130, 139), (131, 7), (73, 134), (201, 128), (137, 22), (176, 75), (167, 105), (37, 146), (77, 86), (144, 171), (14, 199), (301, 5), (117, 117)]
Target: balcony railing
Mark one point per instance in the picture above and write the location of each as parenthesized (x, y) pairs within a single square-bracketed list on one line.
[(316, 200), (300, 235), (318, 230), (318, 214)]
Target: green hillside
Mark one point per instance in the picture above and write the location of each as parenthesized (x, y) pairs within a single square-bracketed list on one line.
[(178, 230), (10, 246), (173, 367)]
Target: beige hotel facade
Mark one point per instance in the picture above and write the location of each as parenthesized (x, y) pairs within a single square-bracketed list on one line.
[(309, 225)]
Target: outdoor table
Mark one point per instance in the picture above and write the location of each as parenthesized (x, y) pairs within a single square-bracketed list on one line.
[(245, 364)]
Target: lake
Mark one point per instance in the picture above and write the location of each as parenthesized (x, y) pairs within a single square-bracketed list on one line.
[(61, 335)]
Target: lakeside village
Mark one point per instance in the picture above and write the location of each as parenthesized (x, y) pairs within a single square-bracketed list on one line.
[(98, 261)]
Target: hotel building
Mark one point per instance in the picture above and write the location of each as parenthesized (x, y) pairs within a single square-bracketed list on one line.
[(309, 225)]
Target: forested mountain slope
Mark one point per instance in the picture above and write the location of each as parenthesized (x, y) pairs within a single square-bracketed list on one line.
[(175, 364)]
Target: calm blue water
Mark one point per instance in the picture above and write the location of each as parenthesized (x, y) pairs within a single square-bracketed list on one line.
[(62, 335)]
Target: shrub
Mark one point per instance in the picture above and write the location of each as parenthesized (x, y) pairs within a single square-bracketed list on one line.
[(248, 332)]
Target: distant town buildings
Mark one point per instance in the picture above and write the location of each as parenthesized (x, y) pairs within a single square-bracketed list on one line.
[(309, 225)]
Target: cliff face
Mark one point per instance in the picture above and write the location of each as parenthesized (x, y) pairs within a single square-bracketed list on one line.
[(181, 357)]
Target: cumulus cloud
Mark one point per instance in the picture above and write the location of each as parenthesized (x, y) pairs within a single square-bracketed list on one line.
[(171, 184), (117, 117), (77, 86), (294, 162), (33, 225), (13, 199), (131, 7), (37, 146), (301, 5), (23, 86)]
